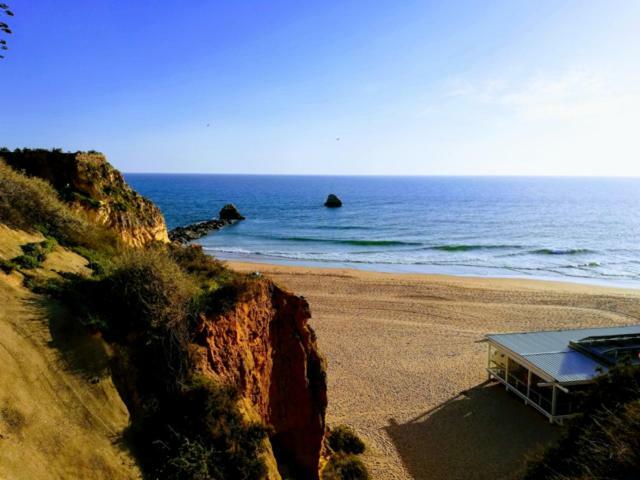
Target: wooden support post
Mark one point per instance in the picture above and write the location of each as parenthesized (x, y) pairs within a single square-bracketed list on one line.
[(489, 360), (526, 402), (506, 374), (553, 403)]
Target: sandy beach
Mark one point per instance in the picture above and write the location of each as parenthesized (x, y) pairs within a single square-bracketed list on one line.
[(406, 362)]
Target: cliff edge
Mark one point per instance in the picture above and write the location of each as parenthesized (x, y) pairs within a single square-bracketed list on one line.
[(88, 182), (219, 371), (265, 347)]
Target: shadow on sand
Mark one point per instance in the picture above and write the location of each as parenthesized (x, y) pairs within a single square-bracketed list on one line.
[(482, 433)]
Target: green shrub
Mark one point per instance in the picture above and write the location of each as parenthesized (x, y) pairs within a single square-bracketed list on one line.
[(145, 293), (208, 271), (27, 262), (182, 427), (85, 200), (33, 254), (46, 286), (100, 261), (343, 439), (344, 466), (199, 433), (236, 443), (7, 266), (603, 443), (225, 293), (140, 293), (220, 288), (191, 460)]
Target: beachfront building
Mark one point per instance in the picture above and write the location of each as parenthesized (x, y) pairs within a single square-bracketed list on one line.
[(548, 370)]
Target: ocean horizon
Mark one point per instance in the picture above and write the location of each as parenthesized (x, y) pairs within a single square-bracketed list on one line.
[(578, 229)]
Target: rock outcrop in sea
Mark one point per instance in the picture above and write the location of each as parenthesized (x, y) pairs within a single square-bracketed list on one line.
[(88, 182), (333, 201), (229, 214)]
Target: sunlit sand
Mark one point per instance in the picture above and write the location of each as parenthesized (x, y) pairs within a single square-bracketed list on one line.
[(406, 365)]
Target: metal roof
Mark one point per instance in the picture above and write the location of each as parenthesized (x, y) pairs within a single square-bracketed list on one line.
[(550, 353)]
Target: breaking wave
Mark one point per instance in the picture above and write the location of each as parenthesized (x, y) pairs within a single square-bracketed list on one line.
[(468, 248), (560, 251)]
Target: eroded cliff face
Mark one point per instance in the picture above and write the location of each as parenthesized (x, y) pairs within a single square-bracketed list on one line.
[(260, 341), (88, 182), (265, 347)]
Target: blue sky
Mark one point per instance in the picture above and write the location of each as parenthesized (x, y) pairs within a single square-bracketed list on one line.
[(331, 87)]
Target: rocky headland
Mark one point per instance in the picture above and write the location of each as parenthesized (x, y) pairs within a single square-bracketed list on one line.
[(90, 184)]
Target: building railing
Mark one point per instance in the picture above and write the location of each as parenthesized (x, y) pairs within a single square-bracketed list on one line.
[(517, 383), (534, 397), (554, 402)]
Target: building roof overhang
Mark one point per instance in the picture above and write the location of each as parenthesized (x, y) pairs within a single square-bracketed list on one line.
[(549, 354)]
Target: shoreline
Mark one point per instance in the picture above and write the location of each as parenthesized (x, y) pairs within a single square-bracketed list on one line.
[(406, 362), (375, 269)]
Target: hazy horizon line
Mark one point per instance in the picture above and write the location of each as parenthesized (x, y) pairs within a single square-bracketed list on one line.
[(443, 175)]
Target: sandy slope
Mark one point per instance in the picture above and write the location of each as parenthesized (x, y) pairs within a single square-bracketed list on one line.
[(402, 348), (60, 414)]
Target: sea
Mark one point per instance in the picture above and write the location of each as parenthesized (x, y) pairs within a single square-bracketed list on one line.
[(559, 228)]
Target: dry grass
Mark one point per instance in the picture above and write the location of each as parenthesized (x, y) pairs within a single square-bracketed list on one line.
[(12, 239), (63, 260), (58, 260), (32, 204), (402, 348)]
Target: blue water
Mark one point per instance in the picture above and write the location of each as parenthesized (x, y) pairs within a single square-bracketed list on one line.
[(579, 229)]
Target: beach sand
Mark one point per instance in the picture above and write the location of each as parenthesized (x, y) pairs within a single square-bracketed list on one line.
[(406, 366)]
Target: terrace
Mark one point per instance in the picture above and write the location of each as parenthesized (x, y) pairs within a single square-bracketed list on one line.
[(549, 370)]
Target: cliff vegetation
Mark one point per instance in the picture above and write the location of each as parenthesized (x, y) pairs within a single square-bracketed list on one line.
[(219, 371), (603, 443), (60, 414), (87, 182)]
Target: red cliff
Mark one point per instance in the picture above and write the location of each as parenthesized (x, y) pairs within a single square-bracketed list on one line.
[(265, 347)]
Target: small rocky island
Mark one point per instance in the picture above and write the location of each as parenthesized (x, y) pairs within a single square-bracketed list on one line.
[(333, 201), (228, 215)]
